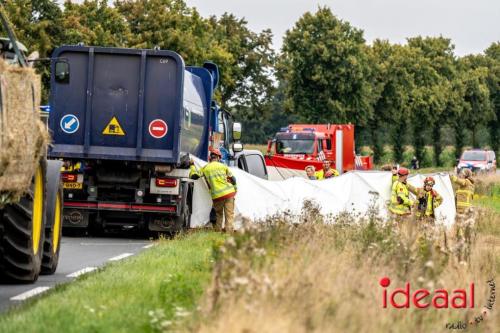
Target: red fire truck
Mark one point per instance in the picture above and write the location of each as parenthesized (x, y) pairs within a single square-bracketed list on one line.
[(299, 145)]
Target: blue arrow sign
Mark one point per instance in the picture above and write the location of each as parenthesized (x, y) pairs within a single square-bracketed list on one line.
[(70, 123)]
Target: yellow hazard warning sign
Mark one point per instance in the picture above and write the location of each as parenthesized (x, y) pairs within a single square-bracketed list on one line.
[(113, 128)]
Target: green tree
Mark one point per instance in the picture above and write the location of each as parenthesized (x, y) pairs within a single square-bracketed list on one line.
[(392, 83), (247, 71), (94, 22), (325, 66), (379, 56), (433, 74), (245, 58), (454, 111), (477, 105), (493, 64), (167, 24), (260, 129)]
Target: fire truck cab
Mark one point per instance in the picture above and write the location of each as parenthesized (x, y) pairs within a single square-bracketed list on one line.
[(299, 145)]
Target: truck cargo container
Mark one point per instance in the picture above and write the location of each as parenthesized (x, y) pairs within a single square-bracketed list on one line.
[(125, 123)]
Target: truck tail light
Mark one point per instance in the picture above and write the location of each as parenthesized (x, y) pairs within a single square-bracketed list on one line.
[(166, 182), (69, 177)]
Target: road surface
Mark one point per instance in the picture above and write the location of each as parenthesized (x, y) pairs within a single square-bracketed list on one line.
[(78, 256)]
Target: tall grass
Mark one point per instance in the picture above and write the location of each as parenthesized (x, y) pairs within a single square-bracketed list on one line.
[(487, 188), (487, 184), (324, 277)]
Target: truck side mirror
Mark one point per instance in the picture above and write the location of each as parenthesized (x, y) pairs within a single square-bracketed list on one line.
[(62, 72), (237, 131), (237, 147)]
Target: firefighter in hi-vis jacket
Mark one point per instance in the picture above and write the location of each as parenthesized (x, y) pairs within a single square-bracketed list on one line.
[(428, 201), (327, 171), (465, 191), (222, 186), (401, 203)]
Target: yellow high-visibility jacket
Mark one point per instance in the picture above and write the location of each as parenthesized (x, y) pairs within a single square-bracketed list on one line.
[(431, 201), (72, 167), (320, 175), (401, 206), (218, 178), (464, 193)]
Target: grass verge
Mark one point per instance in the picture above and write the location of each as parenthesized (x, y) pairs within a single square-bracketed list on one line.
[(488, 202), (317, 277), (140, 294), (261, 148)]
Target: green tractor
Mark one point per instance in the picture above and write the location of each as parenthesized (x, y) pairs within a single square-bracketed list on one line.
[(30, 187)]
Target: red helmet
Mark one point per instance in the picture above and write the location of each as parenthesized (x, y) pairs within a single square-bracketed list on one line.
[(429, 181), (215, 151), (403, 172)]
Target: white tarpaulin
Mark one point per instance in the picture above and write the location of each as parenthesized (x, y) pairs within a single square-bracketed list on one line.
[(352, 192)]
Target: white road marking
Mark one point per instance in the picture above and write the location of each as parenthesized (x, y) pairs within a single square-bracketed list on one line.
[(112, 244), (29, 293), (148, 246), (121, 256), (81, 272)]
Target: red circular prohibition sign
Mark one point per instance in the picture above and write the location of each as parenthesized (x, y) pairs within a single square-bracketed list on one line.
[(158, 128)]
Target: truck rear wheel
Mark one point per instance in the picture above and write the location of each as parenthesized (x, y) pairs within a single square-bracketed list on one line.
[(53, 222), (183, 221), (21, 233)]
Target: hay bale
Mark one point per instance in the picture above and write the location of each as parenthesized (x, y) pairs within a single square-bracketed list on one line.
[(23, 136)]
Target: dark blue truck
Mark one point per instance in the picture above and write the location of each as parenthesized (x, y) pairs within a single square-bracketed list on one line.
[(125, 122)]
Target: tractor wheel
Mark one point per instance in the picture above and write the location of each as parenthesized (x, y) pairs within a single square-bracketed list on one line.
[(53, 222), (21, 233)]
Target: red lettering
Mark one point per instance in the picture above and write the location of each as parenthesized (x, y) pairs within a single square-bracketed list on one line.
[(443, 297), (462, 295), (417, 298), (440, 297), (406, 293), (384, 300), (472, 295), (385, 282)]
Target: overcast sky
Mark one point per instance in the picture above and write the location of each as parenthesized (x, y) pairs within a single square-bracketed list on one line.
[(471, 24)]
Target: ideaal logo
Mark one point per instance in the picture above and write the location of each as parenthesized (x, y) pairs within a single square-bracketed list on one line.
[(438, 299)]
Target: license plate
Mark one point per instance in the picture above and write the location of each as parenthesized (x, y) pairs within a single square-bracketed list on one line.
[(73, 186)]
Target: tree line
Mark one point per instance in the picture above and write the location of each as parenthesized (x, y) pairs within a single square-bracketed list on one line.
[(245, 58), (396, 94), (418, 93)]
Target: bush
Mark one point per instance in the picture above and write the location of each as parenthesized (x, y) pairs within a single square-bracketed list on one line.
[(447, 157)]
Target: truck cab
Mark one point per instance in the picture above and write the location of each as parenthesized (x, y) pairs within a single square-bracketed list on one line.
[(226, 137), (299, 145)]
